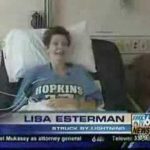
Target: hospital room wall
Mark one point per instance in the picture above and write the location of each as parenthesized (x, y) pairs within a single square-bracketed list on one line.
[(17, 14), (131, 17)]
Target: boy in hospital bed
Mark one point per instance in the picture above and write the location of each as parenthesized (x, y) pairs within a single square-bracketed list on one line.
[(58, 85)]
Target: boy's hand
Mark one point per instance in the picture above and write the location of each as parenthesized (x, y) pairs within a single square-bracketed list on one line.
[(63, 104), (71, 104)]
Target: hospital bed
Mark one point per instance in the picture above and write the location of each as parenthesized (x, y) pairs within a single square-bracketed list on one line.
[(110, 73)]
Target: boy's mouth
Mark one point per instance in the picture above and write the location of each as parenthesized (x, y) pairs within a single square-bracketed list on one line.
[(61, 53)]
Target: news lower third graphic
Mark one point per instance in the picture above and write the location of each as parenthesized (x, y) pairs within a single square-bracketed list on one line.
[(67, 123), (44, 128)]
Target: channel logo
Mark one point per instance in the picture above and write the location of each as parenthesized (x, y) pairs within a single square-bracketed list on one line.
[(141, 124)]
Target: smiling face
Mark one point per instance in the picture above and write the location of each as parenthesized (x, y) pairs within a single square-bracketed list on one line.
[(58, 48)]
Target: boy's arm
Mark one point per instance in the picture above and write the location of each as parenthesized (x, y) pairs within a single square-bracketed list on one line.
[(24, 92)]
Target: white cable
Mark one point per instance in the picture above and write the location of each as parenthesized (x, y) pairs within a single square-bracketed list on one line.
[(8, 94), (15, 105), (18, 105), (13, 108)]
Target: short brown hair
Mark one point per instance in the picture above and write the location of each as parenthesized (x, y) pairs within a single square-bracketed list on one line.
[(53, 31)]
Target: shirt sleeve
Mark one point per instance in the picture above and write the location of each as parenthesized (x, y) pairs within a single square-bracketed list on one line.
[(24, 91), (91, 90)]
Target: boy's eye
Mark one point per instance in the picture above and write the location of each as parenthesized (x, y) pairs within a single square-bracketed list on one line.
[(55, 43), (65, 44)]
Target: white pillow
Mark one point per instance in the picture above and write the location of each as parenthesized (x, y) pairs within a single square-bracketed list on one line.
[(82, 47), (23, 50)]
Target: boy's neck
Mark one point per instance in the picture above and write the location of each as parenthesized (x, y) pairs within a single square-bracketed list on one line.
[(59, 68)]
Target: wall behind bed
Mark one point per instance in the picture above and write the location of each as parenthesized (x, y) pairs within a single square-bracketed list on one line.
[(17, 14), (119, 16), (126, 21)]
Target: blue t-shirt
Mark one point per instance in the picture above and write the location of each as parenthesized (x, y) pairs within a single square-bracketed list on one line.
[(42, 83)]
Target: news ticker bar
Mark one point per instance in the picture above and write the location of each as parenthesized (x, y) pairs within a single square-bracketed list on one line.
[(94, 138), (75, 123), (63, 141)]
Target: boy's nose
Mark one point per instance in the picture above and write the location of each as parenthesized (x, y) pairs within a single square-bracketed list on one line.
[(60, 46)]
